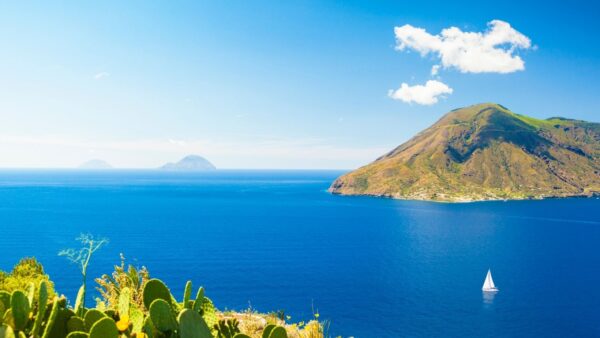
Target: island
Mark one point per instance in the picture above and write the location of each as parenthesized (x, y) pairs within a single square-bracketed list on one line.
[(95, 164), (485, 152), (190, 163)]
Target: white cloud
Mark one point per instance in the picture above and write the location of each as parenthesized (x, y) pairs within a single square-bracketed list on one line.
[(492, 51), (427, 94), (435, 69), (101, 75)]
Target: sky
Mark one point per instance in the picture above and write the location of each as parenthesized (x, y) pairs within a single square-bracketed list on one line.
[(276, 84)]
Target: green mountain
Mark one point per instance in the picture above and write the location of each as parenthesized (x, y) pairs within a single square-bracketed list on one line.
[(486, 152)]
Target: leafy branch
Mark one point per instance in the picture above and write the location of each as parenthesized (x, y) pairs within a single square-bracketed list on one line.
[(82, 258)]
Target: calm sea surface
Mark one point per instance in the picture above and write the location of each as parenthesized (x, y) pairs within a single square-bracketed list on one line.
[(277, 240)]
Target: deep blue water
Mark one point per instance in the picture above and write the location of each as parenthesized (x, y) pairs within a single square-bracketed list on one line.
[(278, 240)]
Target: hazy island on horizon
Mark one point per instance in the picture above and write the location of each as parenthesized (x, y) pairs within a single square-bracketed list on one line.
[(190, 163), (485, 152), (95, 164)]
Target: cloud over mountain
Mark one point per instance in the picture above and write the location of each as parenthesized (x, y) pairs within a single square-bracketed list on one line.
[(492, 51), (427, 94)]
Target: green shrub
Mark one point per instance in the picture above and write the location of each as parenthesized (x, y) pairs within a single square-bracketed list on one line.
[(124, 276), (27, 271)]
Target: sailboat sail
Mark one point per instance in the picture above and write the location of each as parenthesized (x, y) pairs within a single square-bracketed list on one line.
[(488, 284)]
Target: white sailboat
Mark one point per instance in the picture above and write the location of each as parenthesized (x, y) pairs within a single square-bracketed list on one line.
[(488, 284)]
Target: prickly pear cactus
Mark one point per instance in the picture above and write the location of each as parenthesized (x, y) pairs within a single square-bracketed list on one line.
[(51, 318), (78, 334), (79, 301), (267, 331), (149, 329), (191, 325), (187, 294), (199, 299), (20, 308), (91, 317), (162, 316), (104, 328), (227, 328), (41, 308), (124, 300), (75, 324), (278, 332), (136, 317), (156, 289), (59, 328)]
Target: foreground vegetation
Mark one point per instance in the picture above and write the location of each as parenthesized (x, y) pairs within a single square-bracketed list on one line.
[(131, 304)]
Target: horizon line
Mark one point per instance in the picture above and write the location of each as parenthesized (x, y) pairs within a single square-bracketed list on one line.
[(166, 170)]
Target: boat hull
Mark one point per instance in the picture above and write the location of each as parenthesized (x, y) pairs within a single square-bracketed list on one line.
[(490, 290)]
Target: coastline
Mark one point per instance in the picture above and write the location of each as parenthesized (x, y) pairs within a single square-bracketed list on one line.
[(464, 200)]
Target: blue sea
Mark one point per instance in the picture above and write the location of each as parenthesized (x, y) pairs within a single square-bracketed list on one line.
[(276, 240)]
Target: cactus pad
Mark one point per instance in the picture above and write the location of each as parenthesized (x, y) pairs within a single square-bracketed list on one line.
[(41, 308), (278, 332), (161, 316), (187, 294), (75, 323), (156, 289), (104, 328), (91, 317), (124, 300), (20, 308), (267, 330), (191, 325)]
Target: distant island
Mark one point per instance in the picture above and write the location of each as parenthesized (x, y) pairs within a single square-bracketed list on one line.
[(95, 164), (190, 163), (486, 152)]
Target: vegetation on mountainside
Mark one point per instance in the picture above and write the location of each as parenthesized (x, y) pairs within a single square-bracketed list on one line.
[(486, 152), (131, 304)]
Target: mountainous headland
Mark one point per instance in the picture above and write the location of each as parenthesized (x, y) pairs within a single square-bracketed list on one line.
[(95, 164), (190, 163), (486, 152)]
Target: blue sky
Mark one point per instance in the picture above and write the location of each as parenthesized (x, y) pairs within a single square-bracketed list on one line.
[(263, 84)]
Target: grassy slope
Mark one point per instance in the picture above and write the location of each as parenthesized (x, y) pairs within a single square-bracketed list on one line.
[(486, 152)]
